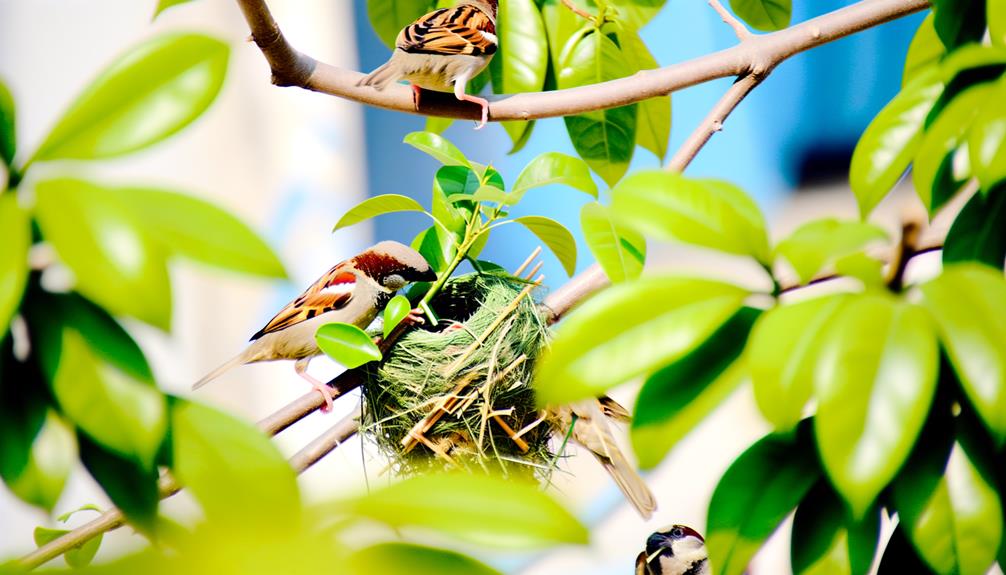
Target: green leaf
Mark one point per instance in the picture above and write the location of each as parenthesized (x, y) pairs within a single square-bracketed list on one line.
[(826, 542), (522, 61), (553, 168), (438, 125), (196, 229), (15, 237), (900, 557), (148, 94), (958, 22), (410, 559), (450, 180), (388, 17), (486, 193), (376, 206), (395, 312), (987, 140), (766, 15), (819, 243), (654, 122), (631, 329), (78, 556), (976, 234), (481, 509), (115, 262), (163, 5), (860, 266), (47, 449), (620, 250), (347, 344), (8, 126), (130, 486), (432, 244), (783, 352), (968, 302), (889, 143), (560, 25), (86, 507), (437, 146), (757, 492), (554, 235), (228, 464), (604, 138), (995, 11), (925, 50), (707, 213), (678, 397), (874, 381), (637, 13)]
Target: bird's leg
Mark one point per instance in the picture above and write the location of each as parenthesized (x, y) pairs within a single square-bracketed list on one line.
[(300, 366), (459, 93), (417, 95), (415, 317)]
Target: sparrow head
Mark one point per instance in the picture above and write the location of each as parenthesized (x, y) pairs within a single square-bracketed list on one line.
[(677, 550), (393, 265)]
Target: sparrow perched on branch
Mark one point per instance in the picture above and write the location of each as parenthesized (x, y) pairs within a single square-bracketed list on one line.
[(353, 292), (442, 51), (678, 550), (591, 430)]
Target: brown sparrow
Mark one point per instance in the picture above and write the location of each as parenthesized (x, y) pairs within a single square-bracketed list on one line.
[(353, 292), (591, 430), (678, 550), (442, 51)]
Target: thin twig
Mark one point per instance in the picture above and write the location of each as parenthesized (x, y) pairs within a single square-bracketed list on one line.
[(520, 269), (907, 249), (729, 19), (577, 10), (713, 122)]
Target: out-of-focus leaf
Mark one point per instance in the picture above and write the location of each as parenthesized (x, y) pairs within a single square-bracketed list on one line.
[(409, 559), (558, 239), (925, 49), (875, 379), (228, 464), (976, 234), (619, 250), (395, 312), (767, 15), (968, 302), (631, 329), (654, 129), (15, 237), (862, 267), (819, 243), (707, 213), (826, 542), (196, 229), (39, 451), (522, 60), (958, 22), (677, 397), (130, 486), (388, 17), (757, 492), (553, 168), (148, 94), (889, 143), (636, 13), (115, 262), (86, 507), (987, 140), (995, 11), (900, 557), (437, 146), (482, 509), (606, 139), (163, 5), (8, 126), (347, 344), (782, 354), (76, 557), (438, 125), (376, 206)]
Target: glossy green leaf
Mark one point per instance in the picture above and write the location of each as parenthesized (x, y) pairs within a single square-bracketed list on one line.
[(48, 460), (889, 143), (553, 168), (654, 130), (767, 15), (347, 344), (130, 486), (450, 180), (631, 329), (148, 94), (925, 50), (995, 11), (636, 13), (826, 542), (115, 262), (410, 559), (76, 557), (481, 509), (818, 244), (958, 22), (874, 382), (522, 61), (388, 17), (968, 302), (976, 234), (560, 25), (678, 397), (376, 206), (438, 147), (707, 213), (782, 355), (432, 244), (396, 310), (488, 194), (606, 139), (554, 235), (8, 126), (619, 250), (228, 464), (757, 492), (15, 237), (987, 139), (163, 5)]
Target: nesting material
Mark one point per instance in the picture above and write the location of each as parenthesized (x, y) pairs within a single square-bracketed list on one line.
[(459, 395)]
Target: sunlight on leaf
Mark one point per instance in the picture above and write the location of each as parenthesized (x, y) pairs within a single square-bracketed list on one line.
[(347, 344), (376, 206)]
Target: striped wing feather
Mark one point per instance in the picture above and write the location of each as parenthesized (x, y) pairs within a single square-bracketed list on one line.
[(332, 291), (460, 30)]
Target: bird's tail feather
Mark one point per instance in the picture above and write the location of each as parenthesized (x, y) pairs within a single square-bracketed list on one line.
[(230, 364), (631, 484), (381, 77)]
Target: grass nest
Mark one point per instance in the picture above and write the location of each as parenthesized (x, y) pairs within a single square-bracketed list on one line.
[(459, 394)]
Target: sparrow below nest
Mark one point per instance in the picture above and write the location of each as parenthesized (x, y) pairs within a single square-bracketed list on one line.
[(353, 292), (442, 51), (678, 550), (591, 430)]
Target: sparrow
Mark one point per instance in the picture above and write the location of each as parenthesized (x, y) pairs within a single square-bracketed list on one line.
[(442, 51), (353, 292), (591, 430), (678, 550)]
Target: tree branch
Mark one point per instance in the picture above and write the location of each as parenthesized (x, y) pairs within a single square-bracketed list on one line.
[(577, 10), (713, 122), (729, 19)]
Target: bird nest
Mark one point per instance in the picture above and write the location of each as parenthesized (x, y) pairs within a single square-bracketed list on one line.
[(459, 394)]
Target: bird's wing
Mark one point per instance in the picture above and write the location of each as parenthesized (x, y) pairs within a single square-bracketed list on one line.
[(614, 410), (463, 29), (641, 568), (332, 291)]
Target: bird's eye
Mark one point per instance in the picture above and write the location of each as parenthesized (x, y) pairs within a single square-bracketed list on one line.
[(677, 533)]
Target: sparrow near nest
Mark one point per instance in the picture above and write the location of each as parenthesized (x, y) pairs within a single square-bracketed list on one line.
[(353, 292), (442, 51), (678, 550)]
